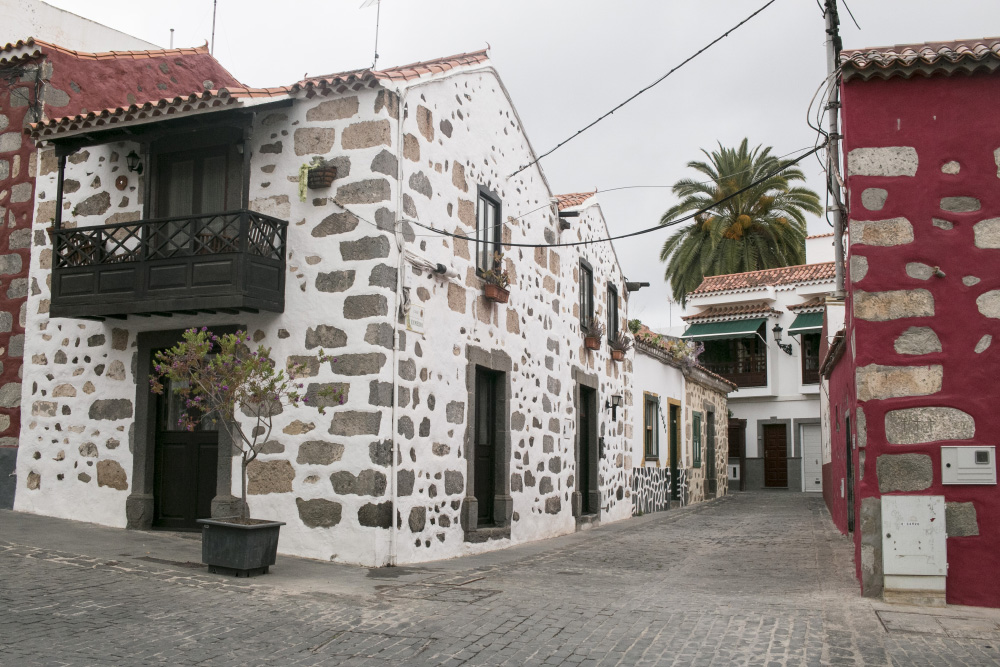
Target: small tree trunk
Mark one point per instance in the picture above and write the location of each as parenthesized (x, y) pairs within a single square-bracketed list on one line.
[(244, 509)]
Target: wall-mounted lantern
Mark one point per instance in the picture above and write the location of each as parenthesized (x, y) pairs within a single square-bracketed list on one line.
[(786, 347), (613, 404), (134, 162)]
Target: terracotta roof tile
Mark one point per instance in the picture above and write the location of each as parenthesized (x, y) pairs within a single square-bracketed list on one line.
[(905, 60), (817, 303), (232, 94), (716, 376), (820, 236), (767, 277), (574, 199), (400, 73), (739, 310)]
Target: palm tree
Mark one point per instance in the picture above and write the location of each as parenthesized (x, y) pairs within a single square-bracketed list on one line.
[(762, 228)]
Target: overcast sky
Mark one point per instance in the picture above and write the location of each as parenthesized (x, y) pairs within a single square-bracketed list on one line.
[(565, 62)]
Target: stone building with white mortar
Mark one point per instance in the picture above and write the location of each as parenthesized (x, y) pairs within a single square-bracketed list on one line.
[(468, 425)]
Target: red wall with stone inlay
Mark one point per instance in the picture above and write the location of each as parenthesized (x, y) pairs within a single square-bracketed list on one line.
[(944, 119), (71, 83)]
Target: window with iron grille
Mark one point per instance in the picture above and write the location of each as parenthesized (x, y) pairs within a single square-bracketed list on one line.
[(489, 228), (651, 421), (612, 313), (586, 295)]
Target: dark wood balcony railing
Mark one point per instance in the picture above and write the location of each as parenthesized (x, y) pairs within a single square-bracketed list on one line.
[(748, 372), (228, 261)]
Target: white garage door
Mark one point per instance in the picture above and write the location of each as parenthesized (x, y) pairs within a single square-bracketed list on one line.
[(812, 461)]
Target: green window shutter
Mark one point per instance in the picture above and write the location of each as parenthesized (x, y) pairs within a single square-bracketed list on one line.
[(696, 440), (656, 428)]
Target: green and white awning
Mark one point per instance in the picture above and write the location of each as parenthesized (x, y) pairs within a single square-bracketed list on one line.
[(731, 329), (806, 323)]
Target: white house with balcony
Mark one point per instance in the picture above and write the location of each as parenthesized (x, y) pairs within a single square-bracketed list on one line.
[(761, 330)]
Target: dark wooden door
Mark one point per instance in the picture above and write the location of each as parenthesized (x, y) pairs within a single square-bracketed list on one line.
[(775, 456), (484, 460), (184, 468), (850, 476), (675, 445), (587, 445), (711, 468)]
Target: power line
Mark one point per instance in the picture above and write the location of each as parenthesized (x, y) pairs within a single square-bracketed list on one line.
[(644, 187), (696, 54), (648, 230)]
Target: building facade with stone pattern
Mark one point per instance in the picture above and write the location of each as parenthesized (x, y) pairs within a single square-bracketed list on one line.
[(37, 80), (354, 213), (680, 443), (913, 371)]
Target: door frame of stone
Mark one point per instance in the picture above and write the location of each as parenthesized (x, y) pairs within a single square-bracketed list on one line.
[(142, 436), (710, 465), (503, 504), (592, 382)]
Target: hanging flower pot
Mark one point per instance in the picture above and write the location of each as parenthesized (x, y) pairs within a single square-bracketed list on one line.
[(495, 293), (321, 177), (618, 355), (592, 342)]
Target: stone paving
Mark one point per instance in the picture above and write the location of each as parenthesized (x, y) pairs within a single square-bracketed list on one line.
[(750, 579)]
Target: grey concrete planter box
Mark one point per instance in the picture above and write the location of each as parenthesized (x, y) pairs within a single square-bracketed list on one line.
[(237, 549)]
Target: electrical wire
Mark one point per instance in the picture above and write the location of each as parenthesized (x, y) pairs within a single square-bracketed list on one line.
[(641, 187), (640, 232), (851, 14), (685, 62)]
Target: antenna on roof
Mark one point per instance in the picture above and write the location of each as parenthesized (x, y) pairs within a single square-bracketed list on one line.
[(215, 5), (378, 16)]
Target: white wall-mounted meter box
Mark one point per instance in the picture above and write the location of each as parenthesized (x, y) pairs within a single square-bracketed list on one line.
[(969, 465), (914, 552), (734, 472)]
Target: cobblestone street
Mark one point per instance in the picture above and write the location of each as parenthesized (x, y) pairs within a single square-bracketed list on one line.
[(755, 578)]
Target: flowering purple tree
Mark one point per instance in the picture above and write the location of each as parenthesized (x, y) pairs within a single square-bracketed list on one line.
[(216, 375)]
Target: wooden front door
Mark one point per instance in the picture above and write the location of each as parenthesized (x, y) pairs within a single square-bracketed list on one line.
[(587, 411), (484, 460), (711, 469), (775, 456), (675, 446), (185, 467)]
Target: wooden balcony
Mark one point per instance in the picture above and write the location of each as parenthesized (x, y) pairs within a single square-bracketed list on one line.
[(223, 262), (748, 372)]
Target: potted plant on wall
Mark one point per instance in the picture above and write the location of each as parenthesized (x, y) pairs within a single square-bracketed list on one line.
[(619, 345), (216, 376), (593, 332), (496, 280), (321, 173)]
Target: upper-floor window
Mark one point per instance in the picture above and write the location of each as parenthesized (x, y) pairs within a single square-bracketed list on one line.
[(586, 294), (742, 360), (810, 358), (612, 313), (488, 229), (651, 435)]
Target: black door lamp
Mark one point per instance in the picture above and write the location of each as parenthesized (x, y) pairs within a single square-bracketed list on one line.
[(786, 347), (613, 405), (134, 162)]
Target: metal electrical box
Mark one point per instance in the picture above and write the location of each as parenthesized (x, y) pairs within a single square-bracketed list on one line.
[(969, 465), (913, 536), (734, 471)]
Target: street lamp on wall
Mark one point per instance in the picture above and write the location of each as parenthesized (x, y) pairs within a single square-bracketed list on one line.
[(134, 162), (786, 347), (613, 405)]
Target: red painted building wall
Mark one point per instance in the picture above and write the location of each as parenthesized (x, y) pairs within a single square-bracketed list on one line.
[(40, 79), (950, 126)]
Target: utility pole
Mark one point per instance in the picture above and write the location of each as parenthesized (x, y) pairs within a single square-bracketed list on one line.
[(833, 48)]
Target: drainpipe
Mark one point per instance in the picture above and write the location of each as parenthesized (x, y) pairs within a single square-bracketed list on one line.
[(400, 266), (57, 223)]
